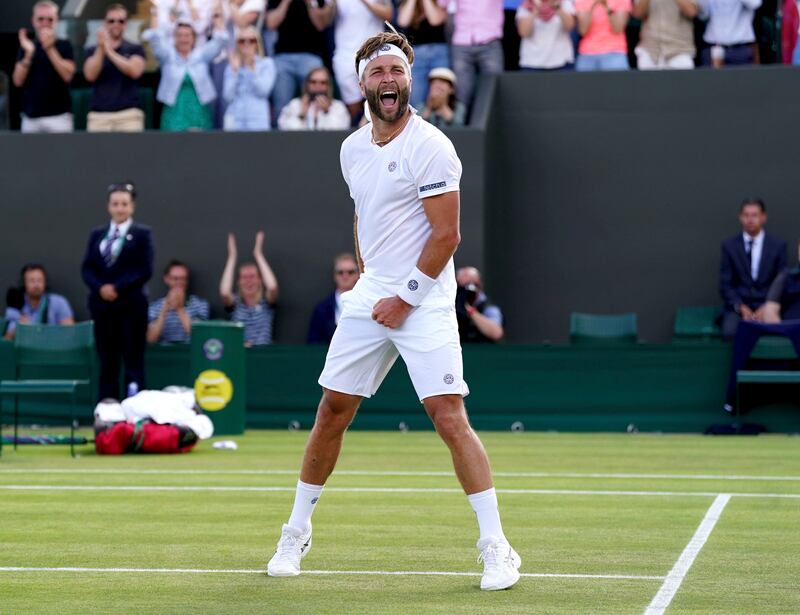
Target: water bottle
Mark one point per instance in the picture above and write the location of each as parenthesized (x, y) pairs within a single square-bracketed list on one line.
[(133, 389)]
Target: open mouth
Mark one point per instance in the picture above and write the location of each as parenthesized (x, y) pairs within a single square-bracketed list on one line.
[(388, 98)]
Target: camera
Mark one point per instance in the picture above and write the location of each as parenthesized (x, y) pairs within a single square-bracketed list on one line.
[(466, 295)]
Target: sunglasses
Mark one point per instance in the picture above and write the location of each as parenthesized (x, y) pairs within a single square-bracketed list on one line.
[(47, 19), (318, 82), (249, 41), (346, 271), (119, 21)]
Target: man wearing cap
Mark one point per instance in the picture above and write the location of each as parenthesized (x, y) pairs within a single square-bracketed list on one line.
[(403, 175), (441, 107)]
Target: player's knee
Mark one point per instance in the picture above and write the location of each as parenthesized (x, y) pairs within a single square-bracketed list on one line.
[(451, 422), (336, 410)]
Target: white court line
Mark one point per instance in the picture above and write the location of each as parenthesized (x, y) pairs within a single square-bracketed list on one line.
[(432, 573), (675, 577), (173, 488), (195, 472)]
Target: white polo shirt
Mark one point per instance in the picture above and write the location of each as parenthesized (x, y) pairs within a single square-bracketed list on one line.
[(388, 184)]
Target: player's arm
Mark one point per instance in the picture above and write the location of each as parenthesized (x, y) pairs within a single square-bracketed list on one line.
[(355, 241), (443, 213)]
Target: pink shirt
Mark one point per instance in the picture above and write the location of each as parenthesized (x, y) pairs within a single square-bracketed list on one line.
[(601, 38), (477, 22)]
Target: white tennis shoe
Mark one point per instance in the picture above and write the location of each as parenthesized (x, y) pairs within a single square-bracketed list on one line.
[(500, 563), (293, 546)]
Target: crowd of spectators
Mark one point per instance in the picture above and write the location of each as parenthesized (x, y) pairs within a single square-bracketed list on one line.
[(288, 64)]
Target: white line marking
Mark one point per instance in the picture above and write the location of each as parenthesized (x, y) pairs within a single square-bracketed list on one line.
[(173, 488), (733, 477), (328, 572), (675, 577)]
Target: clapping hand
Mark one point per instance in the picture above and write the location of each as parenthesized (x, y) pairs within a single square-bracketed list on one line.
[(47, 37), (232, 252), (258, 248), (26, 43)]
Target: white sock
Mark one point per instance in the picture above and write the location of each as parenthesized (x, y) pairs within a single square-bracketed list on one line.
[(305, 500), (485, 506)]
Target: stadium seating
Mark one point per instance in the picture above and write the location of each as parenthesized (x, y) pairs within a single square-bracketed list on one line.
[(602, 328), (68, 350), (695, 323)]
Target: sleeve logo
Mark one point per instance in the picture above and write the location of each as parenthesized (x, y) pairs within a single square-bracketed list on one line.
[(427, 187), (413, 285)]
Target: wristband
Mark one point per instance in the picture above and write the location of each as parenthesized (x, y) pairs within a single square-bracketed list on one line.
[(416, 287)]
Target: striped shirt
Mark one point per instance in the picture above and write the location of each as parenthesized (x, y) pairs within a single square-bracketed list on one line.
[(173, 332), (257, 320)]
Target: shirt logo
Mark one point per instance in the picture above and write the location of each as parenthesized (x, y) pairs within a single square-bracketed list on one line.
[(413, 285), (449, 379), (427, 187), (392, 166)]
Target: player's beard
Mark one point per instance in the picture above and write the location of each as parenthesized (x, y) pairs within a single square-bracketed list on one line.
[(374, 102)]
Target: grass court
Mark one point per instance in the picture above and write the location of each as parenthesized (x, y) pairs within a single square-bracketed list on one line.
[(637, 523)]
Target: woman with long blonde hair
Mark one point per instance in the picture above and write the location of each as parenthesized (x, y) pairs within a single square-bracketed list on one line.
[(247, 85)]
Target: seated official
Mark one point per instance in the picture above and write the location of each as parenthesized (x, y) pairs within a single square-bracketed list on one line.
[(479, 320), (32, 304), (170, 317), (749, 263), (326, 313)]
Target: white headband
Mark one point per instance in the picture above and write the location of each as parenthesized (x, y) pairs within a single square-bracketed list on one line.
[(386, 50)]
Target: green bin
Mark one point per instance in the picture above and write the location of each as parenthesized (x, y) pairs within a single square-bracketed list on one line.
[(218, 374)]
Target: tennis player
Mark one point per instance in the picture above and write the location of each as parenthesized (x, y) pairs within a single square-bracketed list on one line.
[(403, 175)]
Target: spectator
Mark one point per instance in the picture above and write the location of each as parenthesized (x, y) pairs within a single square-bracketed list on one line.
[(116, 266), (196, 13), (479, 320), (249, 78), (317, 109), (186, 88), (441, 108), (544, 27), (783, 297), (601, 24), (476, 46), (356, 21), (326, 312), (254, 304), (33, 304), (43, 70), (749, 263), (667, 35), (301, 45), (171, 316), (114, 66), (729, 31), (423, 24)]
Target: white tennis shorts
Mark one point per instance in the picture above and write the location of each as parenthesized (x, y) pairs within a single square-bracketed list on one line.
[(362, 351)]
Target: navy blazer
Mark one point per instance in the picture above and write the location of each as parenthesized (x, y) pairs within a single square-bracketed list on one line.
[(736, 284), (128, 273), (323, 321)]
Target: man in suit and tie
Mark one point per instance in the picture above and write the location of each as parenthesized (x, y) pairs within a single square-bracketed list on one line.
[(750, 261), (326, 313), (117, 265)]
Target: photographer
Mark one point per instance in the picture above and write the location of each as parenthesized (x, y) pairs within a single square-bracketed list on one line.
[(479, 320), (317, 109), (32, 304)]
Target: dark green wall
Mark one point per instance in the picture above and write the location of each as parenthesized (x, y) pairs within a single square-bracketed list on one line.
[(597, 192), (611, 192), (193, 190)]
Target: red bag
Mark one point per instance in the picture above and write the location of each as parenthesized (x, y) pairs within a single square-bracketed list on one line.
[(143, 437)]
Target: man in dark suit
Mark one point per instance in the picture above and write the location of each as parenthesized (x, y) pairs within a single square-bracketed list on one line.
[(117, 264), (326, 313), (750, 261)]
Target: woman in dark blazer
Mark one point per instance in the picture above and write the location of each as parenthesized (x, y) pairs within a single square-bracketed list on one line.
[(117, 264)]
